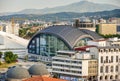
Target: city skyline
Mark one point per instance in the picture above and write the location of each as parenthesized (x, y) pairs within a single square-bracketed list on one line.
[(14, 5)]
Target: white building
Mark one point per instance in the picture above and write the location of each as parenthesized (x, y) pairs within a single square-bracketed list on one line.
[(103, 57), (108, 60), (72, 66), (11, 42), (97, 42), (9, 28), (108, 63)]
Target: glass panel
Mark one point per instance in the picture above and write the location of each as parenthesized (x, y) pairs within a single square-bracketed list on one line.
[(47, 45)]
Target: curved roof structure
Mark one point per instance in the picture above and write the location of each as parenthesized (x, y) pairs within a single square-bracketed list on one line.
[(38, 69), (68, 34), (17, 73)]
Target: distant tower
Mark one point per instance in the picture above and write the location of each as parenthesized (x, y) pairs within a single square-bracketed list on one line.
[(13, 25)]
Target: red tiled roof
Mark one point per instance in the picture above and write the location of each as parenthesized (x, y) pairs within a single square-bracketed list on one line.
[(83, 48), (52, 79), (43, 79)]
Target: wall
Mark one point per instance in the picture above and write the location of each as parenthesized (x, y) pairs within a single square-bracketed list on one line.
[(105, 29)]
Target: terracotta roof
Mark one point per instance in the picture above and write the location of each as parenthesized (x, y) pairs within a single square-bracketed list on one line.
[(52, 79), (43, 79), (34, 79)]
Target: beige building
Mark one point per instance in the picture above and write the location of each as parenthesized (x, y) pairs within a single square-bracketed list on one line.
[(106, 29)]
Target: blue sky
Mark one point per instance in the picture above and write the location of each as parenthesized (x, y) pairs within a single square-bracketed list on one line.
[(17, 5)]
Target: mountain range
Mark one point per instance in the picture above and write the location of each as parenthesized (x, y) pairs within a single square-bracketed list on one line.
[(79, 7), (65, 15)]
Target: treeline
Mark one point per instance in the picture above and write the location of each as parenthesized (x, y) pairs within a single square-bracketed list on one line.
[(110, 35)]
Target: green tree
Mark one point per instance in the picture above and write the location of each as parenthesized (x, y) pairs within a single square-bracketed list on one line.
[(10, 57)]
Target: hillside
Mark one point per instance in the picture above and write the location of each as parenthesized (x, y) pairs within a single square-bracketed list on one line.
[(65, 15)]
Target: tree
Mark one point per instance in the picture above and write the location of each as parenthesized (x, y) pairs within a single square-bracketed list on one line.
[(26, 58), (10, 57), (55, 75), (1, 57)]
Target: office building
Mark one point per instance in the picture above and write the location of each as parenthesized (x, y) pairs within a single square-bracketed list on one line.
[(75, 66)]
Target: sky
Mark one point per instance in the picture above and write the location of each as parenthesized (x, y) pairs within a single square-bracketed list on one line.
[(18, 5)]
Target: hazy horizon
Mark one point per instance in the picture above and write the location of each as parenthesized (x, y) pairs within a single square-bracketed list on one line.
[(15, 5)]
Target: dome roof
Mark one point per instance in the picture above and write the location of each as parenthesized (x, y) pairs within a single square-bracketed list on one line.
[(38, 69), (17, 73), (68, 34)]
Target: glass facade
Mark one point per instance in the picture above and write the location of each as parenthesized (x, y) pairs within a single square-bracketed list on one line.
[(46, 45), (82, 42), (118, 28)]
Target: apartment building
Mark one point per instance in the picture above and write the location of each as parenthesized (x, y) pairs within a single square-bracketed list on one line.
[(109, 63), (72, 66), (108, 60)]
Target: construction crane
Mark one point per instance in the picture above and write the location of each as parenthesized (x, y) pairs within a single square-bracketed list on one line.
[(13, 22)]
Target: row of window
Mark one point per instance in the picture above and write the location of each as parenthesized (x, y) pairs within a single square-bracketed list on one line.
[(68, 61), (93, 66), (92, 71), (70, 71), (109, 59), (109, 50), (68, 66), (109, 69), (92, 62), (107, 78)]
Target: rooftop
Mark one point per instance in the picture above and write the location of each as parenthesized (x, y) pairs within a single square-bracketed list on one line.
[(84, 48), (39, 78), (68, 34)]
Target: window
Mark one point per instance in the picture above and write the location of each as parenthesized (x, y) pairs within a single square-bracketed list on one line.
[(111, 58), (111, 77), (106, 77), (117, 59), (106, 59), (111, 69), (101, 69), (101, 59), (101, 77), (116, 77), (106, 69), (116, 68)]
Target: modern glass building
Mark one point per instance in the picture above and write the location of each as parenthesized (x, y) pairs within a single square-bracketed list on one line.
[(46, 42)]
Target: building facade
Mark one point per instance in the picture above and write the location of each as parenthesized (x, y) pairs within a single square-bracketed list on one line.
[(8, 27), (109, 63), (85, 23), (74, 66), (45, 43), (106, 29), (108, 60)]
